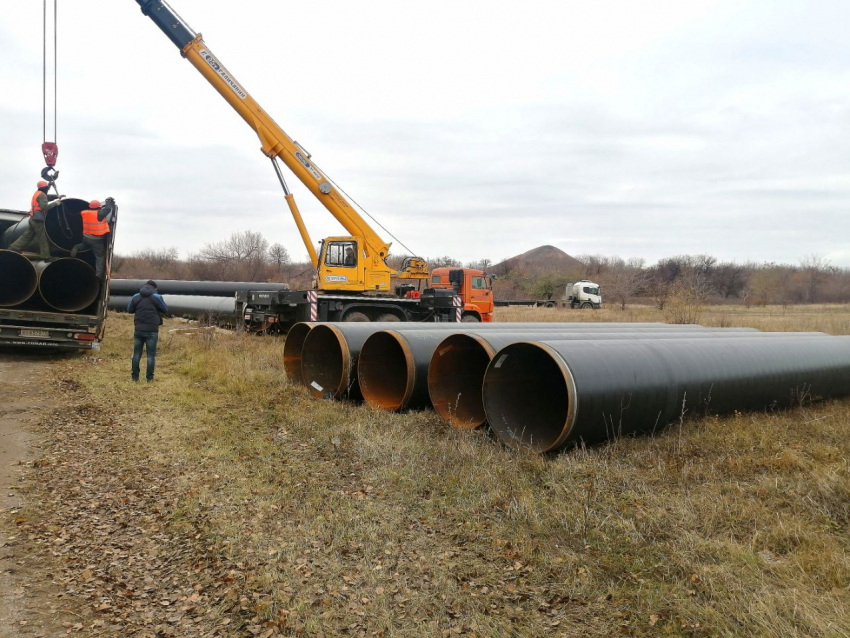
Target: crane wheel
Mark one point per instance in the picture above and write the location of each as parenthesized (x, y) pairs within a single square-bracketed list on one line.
[(389, 317), (470, 319), (587, 306), (356, 316)]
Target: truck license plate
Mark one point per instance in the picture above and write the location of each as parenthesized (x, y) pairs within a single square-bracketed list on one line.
[(35, 333)]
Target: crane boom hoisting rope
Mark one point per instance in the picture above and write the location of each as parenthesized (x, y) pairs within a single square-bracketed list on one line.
[(50, 150)]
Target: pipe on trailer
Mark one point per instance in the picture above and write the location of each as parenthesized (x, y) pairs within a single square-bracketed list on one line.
[(542, 397), (18, 279), (64, 226), (292, 347), (184, 305), (199, 288), (459, 362), (66, 284)]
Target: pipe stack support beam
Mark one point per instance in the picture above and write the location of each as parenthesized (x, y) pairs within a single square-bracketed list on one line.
[(193, 288), (189, 306), (66, 284), (18, 279), (459, 362), (330, 351), (544, 396)]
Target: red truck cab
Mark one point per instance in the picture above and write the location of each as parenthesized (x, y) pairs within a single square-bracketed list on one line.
[(473, 287)]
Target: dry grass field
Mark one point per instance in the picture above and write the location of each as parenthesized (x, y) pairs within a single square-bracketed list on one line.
[(302, 518)]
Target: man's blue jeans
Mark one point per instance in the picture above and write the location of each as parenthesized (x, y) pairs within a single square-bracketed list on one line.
[(148, 341)]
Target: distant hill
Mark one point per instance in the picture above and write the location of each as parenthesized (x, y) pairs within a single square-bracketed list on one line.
[(540, 258)]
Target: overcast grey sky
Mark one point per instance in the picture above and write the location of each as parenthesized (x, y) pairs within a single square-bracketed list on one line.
[(468, 128)]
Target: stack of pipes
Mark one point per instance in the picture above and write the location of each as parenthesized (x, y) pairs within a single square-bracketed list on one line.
[(543, 386), (62, 283)]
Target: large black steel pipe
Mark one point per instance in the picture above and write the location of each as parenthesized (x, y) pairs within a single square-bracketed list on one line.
[(393, 366), (200, 288), (190, 306), (329, 357), (292, 350), (68, 285), (64, 225), (18, 279), (543, 396), (456, 372)]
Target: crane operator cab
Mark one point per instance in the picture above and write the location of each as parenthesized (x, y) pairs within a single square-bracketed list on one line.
[(344, 265)]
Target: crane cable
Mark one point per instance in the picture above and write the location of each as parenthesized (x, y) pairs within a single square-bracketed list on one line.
[(55, 72), (365, 212)]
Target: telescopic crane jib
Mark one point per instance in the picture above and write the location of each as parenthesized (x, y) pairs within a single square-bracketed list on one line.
[(356, 263)]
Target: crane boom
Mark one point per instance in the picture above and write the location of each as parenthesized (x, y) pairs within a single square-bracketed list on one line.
[(275, 142)]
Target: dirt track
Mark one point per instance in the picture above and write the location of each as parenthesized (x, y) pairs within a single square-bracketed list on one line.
[(28, 600)]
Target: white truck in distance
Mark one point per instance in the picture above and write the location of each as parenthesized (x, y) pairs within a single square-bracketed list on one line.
[(584, 294)]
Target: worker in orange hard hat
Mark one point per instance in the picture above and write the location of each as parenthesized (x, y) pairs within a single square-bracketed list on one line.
[(95, 234), (41, 203)]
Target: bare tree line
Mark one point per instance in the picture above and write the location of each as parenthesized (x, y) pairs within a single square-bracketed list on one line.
[(249, 256)]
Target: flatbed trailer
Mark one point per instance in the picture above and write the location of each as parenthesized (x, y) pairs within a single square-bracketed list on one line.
[(280, 309)]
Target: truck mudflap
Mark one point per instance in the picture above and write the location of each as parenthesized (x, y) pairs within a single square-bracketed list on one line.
[(30, 337)]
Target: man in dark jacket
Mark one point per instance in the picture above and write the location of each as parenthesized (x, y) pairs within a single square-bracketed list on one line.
[(147, 306)]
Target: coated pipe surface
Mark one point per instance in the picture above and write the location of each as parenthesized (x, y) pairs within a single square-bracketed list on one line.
[(329, 356), (543, 396), (64, 225), (184, 305), (68, 285), (199, 288), (459, 362), (18, 279), (292, 347)]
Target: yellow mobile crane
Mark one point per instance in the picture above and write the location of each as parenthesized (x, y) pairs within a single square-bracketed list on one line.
[(354, 264)]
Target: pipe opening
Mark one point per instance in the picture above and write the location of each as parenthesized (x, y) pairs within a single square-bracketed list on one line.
[(18, 278), (455, 377), (526, 397), (385, 371), (325, 363), (64, 223), (292, 347), (68, 285)]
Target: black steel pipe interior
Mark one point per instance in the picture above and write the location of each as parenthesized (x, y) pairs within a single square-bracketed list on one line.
[(292, 347), (18, 279), (326, 362), (68, 285), (386, 371), (543, 396)]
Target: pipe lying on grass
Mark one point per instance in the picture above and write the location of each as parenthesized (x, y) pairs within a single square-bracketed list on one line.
[(18, 279), (541, 396), (330, 352), (456, 372), (68, 285)]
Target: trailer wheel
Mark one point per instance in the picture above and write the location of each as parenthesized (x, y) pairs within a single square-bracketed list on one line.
[(587, 306), (470, 319), (549, 304), (389, 317), (356, 316)]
